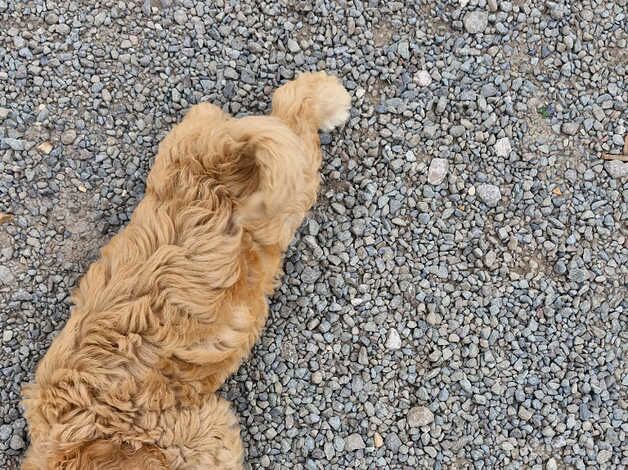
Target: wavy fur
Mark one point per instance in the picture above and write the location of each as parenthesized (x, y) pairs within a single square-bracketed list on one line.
[(179, 296)]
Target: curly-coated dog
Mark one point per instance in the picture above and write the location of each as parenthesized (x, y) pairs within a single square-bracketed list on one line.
[(179, 296)]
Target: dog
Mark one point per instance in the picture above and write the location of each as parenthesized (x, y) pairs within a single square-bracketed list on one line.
[(178, 298)]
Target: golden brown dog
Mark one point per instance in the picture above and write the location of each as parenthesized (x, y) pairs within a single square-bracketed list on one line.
[(179, 296)]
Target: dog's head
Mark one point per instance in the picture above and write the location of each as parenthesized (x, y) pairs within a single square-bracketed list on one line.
[(95, 455)]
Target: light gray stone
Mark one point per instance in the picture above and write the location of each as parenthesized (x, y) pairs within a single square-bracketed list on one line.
[(354, 442), (475, 21), (437, 171), (489, 194), (502, 147), (420, 416), (616, 168), (394, 341)]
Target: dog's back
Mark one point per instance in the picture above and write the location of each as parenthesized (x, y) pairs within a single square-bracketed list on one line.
[(178, 297)]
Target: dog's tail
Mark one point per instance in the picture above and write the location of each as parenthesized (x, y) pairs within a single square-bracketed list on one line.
[(282, 154), (311, 102)]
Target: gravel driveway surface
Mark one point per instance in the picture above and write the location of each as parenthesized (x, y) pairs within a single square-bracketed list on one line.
[(455, 300)]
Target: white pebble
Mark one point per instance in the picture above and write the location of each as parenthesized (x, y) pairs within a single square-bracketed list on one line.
[(420, 416), (502, 147), (423, 78), (437, 171), (394, 341)]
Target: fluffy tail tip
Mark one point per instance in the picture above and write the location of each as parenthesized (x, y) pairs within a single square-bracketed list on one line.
[(327, 100), (332, 102)]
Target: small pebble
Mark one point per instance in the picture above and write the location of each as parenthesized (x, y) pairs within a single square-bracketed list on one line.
[(420, 416)]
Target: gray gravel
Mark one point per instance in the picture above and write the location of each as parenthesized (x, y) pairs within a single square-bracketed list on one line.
[(478, 321)]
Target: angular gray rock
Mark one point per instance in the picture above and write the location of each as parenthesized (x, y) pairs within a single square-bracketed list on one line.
[(616, 168), (489, 194), (354, 442)]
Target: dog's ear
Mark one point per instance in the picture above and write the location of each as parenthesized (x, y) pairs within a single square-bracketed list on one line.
[(108, 455)]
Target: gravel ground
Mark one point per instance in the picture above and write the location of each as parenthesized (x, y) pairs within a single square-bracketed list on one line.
[(455, 300)]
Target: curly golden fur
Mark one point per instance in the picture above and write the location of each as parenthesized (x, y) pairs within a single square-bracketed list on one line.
[(179, 296)]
